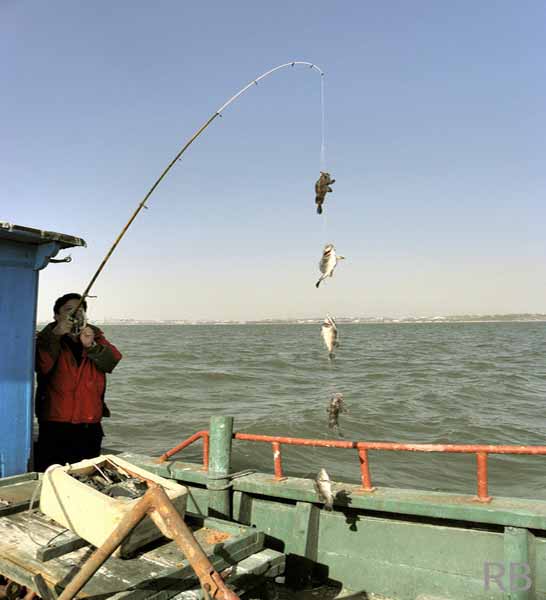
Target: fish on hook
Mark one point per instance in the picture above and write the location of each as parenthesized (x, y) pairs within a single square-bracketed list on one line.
[(329, 335), (328, 262), (323, 487), (335, 407), (322, 187)]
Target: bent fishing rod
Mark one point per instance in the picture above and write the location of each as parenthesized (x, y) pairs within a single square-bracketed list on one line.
[(218, 113)]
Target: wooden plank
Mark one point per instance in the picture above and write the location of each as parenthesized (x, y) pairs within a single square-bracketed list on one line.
[(16, 479), (13, 508), (246, 574), (158, 570), (64, 545), (171, 582), (16, 497)]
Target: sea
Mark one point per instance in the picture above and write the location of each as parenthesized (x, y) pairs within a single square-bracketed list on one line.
[(439, 383)]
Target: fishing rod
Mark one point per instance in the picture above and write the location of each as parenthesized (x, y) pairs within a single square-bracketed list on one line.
[(218, 113)]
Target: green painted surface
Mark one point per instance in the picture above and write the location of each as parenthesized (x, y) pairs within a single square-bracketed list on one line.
[(513, 512), (221, 434), (519, 573), (305, 526), (197, 501), (394, 557), (537, 556), (404, 544)]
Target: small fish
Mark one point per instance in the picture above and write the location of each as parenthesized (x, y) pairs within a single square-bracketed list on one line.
[(322, 187), (328, 262), (323, 485), (335, 407), (329, 335)]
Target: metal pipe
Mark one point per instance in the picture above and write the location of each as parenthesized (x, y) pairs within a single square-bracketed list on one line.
[(200, 434), (114, 540), (156, 502), (293, 441), (481, 465), (481, 451), (206, 442), (365, 470), (221, 434), (277, 460), (210, 580), (395, 446), (454, 448)]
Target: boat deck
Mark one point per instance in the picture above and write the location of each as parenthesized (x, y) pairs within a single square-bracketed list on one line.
[(31, 544)]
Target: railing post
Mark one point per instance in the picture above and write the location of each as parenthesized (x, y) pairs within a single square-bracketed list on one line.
[(481, 464), (365, 470), (221, 433), (205, 450), (277, 461)]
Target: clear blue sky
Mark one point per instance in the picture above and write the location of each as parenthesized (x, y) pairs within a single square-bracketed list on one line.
[(436, 129)]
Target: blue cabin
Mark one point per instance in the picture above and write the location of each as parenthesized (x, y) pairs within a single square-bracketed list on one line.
[(23, 253)]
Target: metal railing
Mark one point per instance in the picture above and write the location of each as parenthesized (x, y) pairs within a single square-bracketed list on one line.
[(481, 451), (204, 434)]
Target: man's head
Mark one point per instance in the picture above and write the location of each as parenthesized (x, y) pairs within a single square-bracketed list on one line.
[(66, 304)]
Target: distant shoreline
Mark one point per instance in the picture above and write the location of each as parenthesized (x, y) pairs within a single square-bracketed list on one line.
[(524, 318)]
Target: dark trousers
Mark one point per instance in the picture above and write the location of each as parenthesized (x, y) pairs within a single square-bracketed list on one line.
[(61, 443)]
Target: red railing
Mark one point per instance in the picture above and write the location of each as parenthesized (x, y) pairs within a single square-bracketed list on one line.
[(480, 450), (200, 434)]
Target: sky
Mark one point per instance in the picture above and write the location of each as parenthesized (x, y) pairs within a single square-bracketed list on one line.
[(435, 120)]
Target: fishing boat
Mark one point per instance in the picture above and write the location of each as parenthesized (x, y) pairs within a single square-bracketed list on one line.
[(252, 527)]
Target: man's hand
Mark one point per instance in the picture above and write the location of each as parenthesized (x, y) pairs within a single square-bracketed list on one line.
[(87, 337), (64, 326)]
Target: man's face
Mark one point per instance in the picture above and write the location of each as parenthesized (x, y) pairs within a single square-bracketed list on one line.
[(66, 309)]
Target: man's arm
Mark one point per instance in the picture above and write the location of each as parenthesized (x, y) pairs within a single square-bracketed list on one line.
[(48, 348), (104, 355)]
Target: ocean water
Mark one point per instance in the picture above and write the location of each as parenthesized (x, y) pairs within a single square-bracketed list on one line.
[(425, 383)]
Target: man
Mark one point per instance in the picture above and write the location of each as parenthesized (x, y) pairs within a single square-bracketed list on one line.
[(71, 384)]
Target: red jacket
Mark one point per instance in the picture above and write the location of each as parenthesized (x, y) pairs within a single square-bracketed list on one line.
[(68, 392)]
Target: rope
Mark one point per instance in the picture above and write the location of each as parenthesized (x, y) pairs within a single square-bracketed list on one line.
[(29, 512), (230, 476)]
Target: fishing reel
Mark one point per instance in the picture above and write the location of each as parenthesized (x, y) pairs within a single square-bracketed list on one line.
[(79, 321)]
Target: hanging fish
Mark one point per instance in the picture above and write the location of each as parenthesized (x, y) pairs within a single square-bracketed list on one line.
[(329, 335), (328, 262), (335, 407), (322, 187), (323, 486)]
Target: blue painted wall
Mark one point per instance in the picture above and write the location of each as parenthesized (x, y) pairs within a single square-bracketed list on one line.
[(18, 294)]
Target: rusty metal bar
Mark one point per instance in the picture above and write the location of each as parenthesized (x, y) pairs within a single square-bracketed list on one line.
[(177, 530), (395, 446), (206, 439), (365, 470), (293, 441), (481, 451), (101, 555), (277, 460), (481, 465), (155, 502), (454, 448), (200, 434)]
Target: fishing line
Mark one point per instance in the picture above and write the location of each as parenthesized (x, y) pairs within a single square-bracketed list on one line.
[(323, 125), (218, 113)]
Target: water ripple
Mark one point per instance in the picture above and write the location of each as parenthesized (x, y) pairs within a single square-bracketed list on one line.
[(437, 383)]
